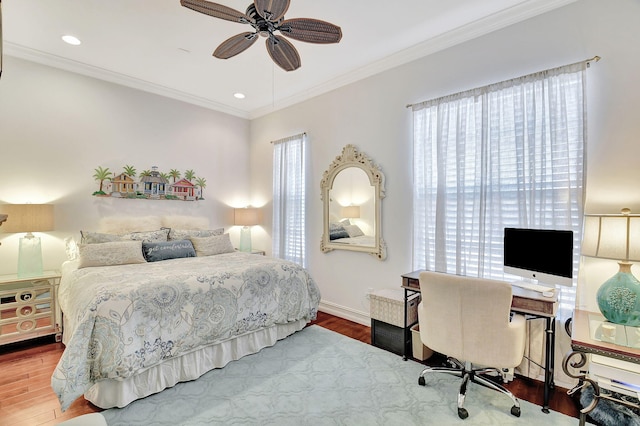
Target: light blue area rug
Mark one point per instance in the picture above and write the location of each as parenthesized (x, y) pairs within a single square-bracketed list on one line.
[(319, 377)]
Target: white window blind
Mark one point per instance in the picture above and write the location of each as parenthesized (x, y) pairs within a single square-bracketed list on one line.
[(505, 155), (289, 198)]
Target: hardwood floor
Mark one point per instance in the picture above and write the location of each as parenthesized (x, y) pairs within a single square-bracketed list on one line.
[(26, 397)]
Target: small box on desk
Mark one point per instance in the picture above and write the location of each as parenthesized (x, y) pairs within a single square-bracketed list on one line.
[(387, 305)]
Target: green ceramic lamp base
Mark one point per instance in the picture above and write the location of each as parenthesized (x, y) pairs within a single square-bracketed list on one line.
[(619, 297)]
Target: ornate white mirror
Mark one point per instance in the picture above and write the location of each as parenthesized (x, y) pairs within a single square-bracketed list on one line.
[(352, 189)]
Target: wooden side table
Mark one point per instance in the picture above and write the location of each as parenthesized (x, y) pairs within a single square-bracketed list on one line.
[(29, 307)]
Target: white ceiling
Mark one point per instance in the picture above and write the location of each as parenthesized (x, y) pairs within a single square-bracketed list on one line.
[(164, 48)]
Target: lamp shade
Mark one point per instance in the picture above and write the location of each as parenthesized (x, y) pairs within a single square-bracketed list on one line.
[(27, 218), (247, 216), (351, 211), (610, 236)]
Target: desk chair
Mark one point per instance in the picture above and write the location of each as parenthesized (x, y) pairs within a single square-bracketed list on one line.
[(468, 320)]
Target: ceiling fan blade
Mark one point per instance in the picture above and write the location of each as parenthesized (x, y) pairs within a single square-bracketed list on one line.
[(271, 10), (216, 10), (283, 53), (311, 30), (234, 45)]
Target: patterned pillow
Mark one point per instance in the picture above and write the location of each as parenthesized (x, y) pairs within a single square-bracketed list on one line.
[(71, 248), (149, 236), (110, 253), (209, 246), (164, 250), (98, 237), (184, 234), (353, 231), (336, 230)]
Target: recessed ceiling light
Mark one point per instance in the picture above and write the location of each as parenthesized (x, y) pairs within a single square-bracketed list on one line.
[(71, 40), (238, 95)]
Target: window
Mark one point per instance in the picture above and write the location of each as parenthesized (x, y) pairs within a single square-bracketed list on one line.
[(508, 154), (289, 198)]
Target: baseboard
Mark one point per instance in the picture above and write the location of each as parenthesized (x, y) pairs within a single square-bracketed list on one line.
[(346, 313)]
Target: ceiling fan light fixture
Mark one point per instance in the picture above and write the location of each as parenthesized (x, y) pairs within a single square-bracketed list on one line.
[(72, 40), (267, 17)]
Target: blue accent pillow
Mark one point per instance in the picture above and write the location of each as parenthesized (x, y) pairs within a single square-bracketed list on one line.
[(336, 230), (164, 250)]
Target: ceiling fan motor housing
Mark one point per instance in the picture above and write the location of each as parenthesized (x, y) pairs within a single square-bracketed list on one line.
[(262, 26)]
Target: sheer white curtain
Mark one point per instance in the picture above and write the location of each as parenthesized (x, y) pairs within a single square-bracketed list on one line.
[(289, 198), (506, 155)]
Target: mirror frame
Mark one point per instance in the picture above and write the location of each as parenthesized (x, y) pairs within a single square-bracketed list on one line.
[(351, 157)]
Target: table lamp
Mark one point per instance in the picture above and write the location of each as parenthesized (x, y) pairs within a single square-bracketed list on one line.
[(351, 212), (246, 217), (29, 218), (616, 237), (3, 219)]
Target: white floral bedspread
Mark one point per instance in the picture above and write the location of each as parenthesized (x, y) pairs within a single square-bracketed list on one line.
[(130, 317)]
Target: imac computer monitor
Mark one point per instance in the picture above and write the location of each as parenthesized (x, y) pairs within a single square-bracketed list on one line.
[(539, 255)]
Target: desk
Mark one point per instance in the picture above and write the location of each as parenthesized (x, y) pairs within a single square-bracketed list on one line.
[(530, 303), (584, 340)]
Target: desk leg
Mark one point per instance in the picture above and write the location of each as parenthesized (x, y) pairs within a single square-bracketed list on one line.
[(549, 362), (405, 330)]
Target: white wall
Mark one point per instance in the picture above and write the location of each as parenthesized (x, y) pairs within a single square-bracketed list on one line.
[(371, 114), (56, 127)]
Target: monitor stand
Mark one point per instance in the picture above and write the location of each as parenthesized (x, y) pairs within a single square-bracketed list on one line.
[(529, 284)]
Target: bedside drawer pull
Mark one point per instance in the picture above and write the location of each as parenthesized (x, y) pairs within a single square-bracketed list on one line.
[(26, 311), (25, 296), (25, 326)]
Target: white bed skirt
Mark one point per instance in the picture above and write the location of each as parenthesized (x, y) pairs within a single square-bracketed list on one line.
[(119, 393)]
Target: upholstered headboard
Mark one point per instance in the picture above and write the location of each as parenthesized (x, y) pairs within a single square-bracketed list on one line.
[(125, 224)]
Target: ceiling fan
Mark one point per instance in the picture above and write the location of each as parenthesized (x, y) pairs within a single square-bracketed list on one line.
[(266, 17)]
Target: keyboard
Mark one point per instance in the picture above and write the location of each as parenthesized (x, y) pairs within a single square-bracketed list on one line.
[(534, 287)]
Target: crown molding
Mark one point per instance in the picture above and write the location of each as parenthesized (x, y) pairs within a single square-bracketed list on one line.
[(44, 58), (478, 28)]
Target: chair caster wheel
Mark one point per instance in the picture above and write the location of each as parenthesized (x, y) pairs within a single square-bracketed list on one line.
[(515, 411), (421, 381), (463, 413)]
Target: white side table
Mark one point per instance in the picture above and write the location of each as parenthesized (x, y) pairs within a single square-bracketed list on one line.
[(29, 307)]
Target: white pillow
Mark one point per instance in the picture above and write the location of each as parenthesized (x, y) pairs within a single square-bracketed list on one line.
[(210, 246), (110, 254), (353, 231)]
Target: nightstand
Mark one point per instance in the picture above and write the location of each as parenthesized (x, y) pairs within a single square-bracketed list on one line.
[(29, 307)]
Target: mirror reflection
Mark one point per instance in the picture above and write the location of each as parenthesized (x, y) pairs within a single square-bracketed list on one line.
[(352, 208), (352, 190)]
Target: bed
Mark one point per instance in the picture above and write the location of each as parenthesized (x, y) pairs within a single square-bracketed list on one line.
[(137, 321), (361, 240)]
